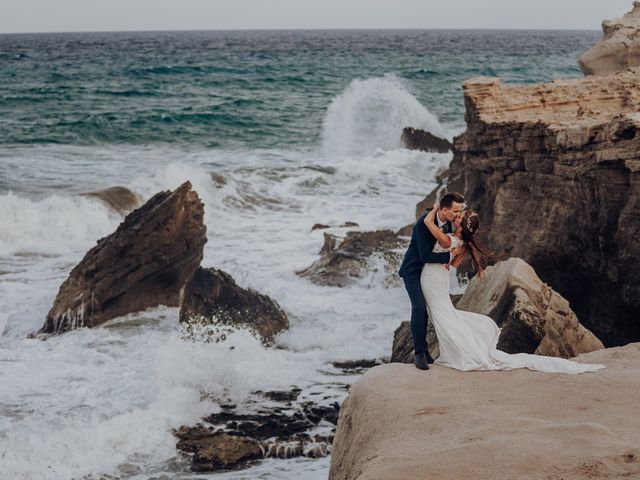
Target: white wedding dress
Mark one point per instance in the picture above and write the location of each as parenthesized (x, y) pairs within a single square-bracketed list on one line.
[(468, 340)]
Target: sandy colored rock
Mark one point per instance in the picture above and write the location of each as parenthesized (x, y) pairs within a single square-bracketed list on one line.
[(533, 317), (619, 47), (402, 423), (554, 171), (143, 264)]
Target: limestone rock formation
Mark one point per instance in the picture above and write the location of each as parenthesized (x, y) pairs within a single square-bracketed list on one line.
[(120, 199), (533, 317), (340, 265), (619, 47), (399, 423), (144, 263), (416, 139), (554, 171), (212, 296)]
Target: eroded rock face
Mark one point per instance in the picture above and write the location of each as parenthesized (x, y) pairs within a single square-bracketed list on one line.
[(212, 296), (619, 47), (533, 317), (143, 264), (416, 139), (553, 170), (340, 265)]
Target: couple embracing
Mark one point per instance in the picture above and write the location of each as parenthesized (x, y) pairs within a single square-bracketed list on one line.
[(467, 340)]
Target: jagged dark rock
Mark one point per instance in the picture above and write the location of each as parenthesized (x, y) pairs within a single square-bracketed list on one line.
[(212, 297), (143, 264), (416, 139), (340, 266)]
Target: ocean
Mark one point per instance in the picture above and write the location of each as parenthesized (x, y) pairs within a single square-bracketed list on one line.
[(304, 127)]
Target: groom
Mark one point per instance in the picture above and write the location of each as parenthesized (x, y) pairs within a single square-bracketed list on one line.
[(419, 253)]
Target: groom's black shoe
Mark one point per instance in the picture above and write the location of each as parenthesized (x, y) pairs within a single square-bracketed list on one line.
[(421, 361), (430, 359)]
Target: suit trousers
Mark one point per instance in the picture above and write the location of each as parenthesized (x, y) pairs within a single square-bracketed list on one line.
[(419, 314)]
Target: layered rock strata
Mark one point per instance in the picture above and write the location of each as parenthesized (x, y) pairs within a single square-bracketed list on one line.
[(143, 264), (403, 423), (619, 47), (553, 170)]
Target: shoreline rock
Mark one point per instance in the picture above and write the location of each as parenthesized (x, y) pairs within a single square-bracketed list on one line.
[(212, 297), (402, 423), (417, 139), (143, 264), (341, 264), (232, 441)]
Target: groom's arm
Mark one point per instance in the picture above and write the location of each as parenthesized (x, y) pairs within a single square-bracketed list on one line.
[(425, 248)]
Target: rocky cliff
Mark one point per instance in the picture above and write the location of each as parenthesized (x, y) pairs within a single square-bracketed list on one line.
[(619, 47), (553, 170), (402, 423)]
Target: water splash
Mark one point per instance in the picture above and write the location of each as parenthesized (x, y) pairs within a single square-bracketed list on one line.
[(370, 114)]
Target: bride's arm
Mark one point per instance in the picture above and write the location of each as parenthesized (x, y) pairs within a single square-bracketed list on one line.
[(455, 263), (430, 221)]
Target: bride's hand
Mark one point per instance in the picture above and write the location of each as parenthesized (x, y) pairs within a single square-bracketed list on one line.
[(432, 214)]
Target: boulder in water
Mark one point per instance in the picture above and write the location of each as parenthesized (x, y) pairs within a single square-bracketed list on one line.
[(143, 264), (212, 297), (416, 139), (340, 266)]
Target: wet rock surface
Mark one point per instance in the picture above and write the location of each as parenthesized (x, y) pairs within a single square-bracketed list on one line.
[(143, 264), (416, 139), (231, 440), (342, 263), (212, 297)]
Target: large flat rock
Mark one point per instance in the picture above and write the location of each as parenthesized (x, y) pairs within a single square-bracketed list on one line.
[(401, 423)]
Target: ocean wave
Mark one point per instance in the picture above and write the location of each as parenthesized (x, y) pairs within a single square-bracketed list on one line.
[(370, 114)]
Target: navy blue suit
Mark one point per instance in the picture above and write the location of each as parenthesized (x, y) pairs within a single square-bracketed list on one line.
[(419, 253)]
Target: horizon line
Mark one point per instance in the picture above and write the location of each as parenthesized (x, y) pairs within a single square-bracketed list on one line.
[(347, 29)]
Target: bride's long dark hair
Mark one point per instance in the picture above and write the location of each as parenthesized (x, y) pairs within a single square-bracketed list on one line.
[(479, 254)]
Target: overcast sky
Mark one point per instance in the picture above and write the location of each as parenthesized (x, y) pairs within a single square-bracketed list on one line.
[(108, 15)]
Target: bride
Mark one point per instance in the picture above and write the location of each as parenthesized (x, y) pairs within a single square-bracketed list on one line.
[(468, 340)]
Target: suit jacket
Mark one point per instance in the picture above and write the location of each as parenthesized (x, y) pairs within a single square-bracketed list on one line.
[(420, 250)]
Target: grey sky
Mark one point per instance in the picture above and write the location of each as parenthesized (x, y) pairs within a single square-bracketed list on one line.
[(101, 15)]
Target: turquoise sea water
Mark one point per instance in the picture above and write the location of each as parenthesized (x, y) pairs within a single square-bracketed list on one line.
[(245, 89), (304, 127)]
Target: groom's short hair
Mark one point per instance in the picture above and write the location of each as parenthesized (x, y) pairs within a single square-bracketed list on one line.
[(451, 198)]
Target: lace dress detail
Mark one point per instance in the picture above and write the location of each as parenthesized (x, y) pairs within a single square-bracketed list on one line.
[(455, 241)]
